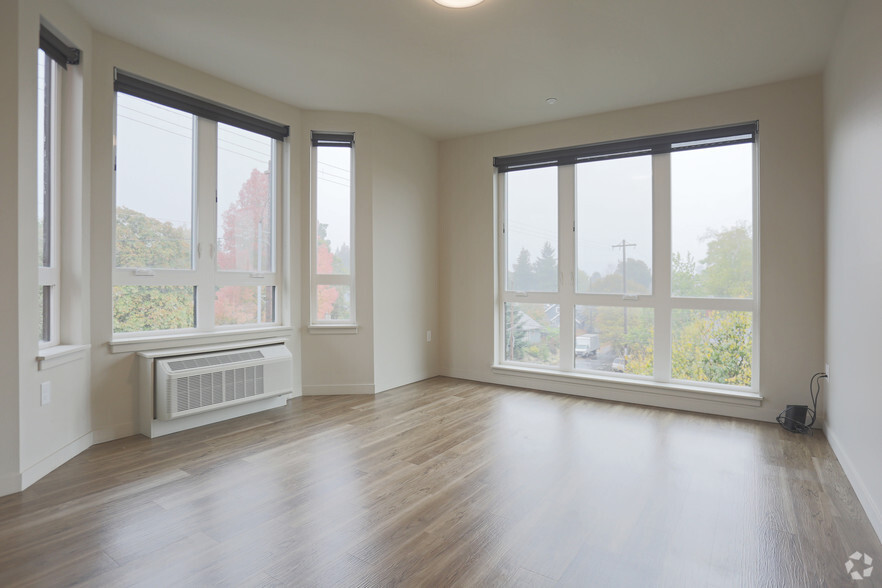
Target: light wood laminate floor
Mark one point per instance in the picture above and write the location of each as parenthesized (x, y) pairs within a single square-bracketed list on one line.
[(445, 482)]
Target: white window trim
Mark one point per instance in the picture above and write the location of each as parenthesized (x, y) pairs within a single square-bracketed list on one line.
[(661, 300), (204, 275), (331, 326)]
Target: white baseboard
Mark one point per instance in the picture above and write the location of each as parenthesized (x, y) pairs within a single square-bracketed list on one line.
[(10, 484), (160, 428), (621, 393), (874, 513), (114, 432), (60, 457), (324, 390)]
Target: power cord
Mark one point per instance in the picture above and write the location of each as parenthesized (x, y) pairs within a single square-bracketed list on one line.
[(786, 420)]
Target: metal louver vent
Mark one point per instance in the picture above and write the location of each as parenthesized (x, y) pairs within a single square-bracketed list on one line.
[(210, 360), (202, 390)]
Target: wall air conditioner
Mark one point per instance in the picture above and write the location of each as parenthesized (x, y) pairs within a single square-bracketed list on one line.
[(191, 384)]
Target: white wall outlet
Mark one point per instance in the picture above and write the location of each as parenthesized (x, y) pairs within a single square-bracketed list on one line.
[(45, 393), (428, 336), (827, 370)]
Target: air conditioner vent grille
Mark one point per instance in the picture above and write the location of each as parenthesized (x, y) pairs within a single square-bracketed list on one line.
[(217, 387), (211, 360)]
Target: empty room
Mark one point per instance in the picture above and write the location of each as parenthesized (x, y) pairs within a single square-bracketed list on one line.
[(440, 293)]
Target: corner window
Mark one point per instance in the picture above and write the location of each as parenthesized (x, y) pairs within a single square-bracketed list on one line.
[(197, 229), (332, 287), (633, 258)]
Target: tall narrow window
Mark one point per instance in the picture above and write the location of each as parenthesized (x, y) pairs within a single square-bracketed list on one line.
[(197, 229), (656, 245), (333, 285), (48, 271)]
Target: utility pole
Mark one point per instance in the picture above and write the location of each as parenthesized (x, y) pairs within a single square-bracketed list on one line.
[(624, 245)]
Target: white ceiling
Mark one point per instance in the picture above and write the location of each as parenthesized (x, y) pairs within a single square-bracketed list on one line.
[(451, 73)]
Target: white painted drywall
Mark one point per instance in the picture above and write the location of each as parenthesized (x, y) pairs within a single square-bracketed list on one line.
[(10, 480), (49, 434), (405, 252), (853, 110)]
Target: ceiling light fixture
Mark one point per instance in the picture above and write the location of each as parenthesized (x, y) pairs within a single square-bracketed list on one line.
[(458, 3), (551, 101)]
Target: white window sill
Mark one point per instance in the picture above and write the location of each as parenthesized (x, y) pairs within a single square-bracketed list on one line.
[(134, 344), (57, 355), (744, 398), (344, 329)]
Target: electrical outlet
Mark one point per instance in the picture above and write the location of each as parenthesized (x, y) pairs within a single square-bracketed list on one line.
[(428, 336), (45, 393), (827, 370)]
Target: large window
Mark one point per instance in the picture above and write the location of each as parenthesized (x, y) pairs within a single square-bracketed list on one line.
[(53, 57), (633, 258), (332, 287), (197, 223)]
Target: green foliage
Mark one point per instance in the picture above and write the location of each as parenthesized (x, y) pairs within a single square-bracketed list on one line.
[(145, 242), (712, 346), (727, 270), (152, 308), (639, 280), (632, 340), (515, 337), (729, 263), (545, 270), (684, 277), (522, 273)]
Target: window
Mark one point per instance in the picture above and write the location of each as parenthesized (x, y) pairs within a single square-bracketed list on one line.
[(197, 224), (53, 57), (633, 258), (332, 288)]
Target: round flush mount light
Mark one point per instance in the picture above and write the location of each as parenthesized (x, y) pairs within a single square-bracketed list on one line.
[(458, 3), (551, 101)]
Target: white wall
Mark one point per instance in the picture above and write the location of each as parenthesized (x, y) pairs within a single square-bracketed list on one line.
[(853, 109), (405, 252), (10, 477), (791, 235), (43, 437)]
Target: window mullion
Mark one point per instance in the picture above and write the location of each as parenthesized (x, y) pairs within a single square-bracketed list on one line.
[(661, 252), (566, 203), (501, 267), (205, 254)]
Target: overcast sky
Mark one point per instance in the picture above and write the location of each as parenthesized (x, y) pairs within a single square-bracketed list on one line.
[(711, 190)]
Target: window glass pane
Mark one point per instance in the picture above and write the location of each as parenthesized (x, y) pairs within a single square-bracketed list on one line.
[(244, 200), (153, 308), (531, 230), (614, 226), (154, 185), (712, 346), (242, 305), (532, 333), (333, 214), (614, 339), (333, 303), (44, 153), (44, 301), (711, 222)]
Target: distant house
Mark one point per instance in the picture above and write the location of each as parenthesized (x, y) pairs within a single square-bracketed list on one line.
[(552, 314), (532, 330)]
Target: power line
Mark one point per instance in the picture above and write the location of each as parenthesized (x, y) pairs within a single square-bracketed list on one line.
[(624, 245)]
